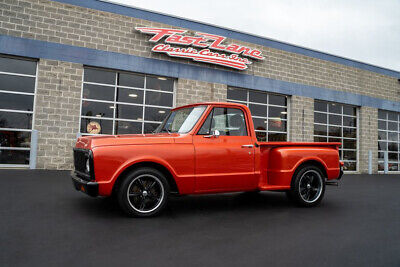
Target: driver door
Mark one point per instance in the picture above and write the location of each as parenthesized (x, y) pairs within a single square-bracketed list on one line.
[(224, 162)]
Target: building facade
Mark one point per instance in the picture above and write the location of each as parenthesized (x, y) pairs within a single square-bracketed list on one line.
[(70, 68)]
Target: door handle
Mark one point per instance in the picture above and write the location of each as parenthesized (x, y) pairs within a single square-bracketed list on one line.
[(247, 146)]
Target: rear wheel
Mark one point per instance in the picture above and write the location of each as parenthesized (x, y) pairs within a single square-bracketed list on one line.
[(143, 193), (308, 186)]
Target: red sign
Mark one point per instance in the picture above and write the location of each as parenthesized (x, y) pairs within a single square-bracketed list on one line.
[(199, 47)]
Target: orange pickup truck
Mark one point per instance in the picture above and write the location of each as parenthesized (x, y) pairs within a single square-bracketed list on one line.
[(201, 149)]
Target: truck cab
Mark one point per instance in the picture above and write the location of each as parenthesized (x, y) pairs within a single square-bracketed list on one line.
[(200, 149)]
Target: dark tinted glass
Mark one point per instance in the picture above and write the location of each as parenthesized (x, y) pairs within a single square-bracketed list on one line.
[(160, 83), (392, 136), (129, 112), (337, 140), (349, 132), (98, 92), (382, 114), (15, 120), (335, 119), (382, 125), (277, 112), (382, 135), (349, 155), (159, 99), (131, 80), (393, 156), (349, 166), (155, 114), (349, 110), (320, 117), (276, 125), (14, 157), (350, 144), (392, 126), (349, 121), (99, 76), (320, 139), (261, 136), (105, 126), (258, 110), (18, 102), (97, 109), (150, 127), (276, 137), (382, 146), (320, 106), (334, 131), (15, 139), (17, 83), (320, 129), (260, 124), (335, 108), (237, 94), (17, 66), (277, 100), (392, 146), (127, 127), (392, 116), (130, 95), (258, 97)]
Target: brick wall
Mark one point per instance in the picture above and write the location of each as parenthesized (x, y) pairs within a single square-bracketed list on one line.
[(190, 91), (368, 136), (57, 108), (301, 121), (67, 24)]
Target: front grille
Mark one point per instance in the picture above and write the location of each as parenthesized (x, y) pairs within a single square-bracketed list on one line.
[(80, 157)]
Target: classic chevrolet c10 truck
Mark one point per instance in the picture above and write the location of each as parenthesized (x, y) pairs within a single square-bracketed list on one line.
[(201, 149)]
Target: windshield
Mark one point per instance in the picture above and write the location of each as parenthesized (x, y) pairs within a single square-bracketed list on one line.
[(181, 120)]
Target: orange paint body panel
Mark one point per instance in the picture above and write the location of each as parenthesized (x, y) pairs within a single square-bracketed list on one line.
[(199, 164)]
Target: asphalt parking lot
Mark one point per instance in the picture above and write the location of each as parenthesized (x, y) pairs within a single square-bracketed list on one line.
[(45, 222)]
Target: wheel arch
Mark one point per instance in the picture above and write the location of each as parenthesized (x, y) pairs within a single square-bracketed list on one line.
[(150, 164), (311, 162)]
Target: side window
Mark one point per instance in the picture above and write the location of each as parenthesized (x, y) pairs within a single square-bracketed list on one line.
[(205, 129), (228, 121)]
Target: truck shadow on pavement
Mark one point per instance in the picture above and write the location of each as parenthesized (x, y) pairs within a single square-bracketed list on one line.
[(194, 204)]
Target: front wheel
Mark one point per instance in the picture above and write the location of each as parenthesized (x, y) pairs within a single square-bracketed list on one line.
[(143, 193), (308, 186)]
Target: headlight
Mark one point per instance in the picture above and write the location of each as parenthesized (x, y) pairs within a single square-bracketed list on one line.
[(87, 166)]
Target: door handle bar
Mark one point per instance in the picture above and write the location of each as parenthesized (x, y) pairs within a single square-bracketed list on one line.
[(247, 146)]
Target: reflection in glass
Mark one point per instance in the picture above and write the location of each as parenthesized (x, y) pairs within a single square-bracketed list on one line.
[(15, 139), (14, 156)]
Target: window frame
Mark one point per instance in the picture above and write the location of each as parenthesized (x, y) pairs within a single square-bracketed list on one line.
[(32, 112), (267, 105), (115, 103), (387, 131), (211, 113), (342, 126)]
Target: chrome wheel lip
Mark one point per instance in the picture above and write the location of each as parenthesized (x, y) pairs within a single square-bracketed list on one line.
[(161, 195), (320, 186)]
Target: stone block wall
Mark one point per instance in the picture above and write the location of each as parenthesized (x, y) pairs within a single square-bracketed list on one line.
[(57, 108)]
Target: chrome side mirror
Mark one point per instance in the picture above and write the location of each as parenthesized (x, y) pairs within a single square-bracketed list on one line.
[(214, 134)]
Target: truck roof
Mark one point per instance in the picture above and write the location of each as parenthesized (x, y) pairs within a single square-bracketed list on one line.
[(211, 103)]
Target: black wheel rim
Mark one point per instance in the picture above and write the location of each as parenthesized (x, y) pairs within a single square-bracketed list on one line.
[(145, 193), (310, 186)]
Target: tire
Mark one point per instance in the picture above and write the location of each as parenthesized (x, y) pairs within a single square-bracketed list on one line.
[(307, 187), (143, 192)]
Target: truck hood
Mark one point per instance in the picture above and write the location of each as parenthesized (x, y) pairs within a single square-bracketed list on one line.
[(89, 142)]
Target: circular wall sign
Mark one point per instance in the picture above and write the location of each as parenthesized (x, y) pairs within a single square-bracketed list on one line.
[(93, 127)]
